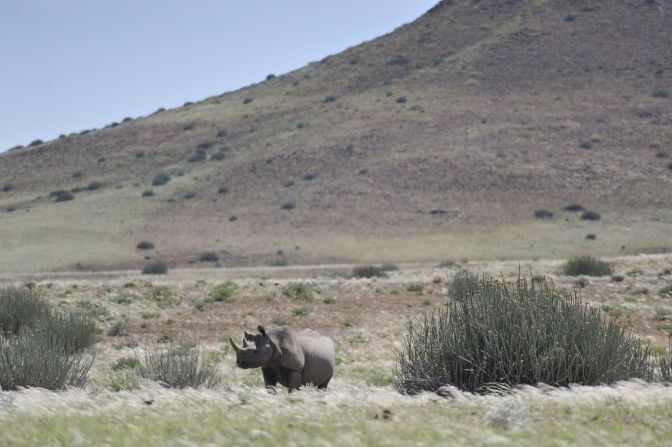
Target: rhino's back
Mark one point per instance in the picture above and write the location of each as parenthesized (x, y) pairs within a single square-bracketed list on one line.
[(320, 356)]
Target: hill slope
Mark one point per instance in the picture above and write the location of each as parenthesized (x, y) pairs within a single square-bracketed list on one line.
[(438, 140)]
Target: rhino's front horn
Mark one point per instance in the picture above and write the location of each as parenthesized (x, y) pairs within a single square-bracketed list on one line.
[(234, 345)]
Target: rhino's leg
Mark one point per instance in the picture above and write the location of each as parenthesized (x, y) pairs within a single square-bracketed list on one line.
[(270, 377), (323, 386), (294, 381)]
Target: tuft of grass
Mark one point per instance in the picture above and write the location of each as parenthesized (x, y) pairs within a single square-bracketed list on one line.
[(118, 329), (125, 363), (617, 278), (582, 281), (299, 291), (302, 311), (415, 287), (155, 268), (513, 334), (368, 271), (61, 196), (224, 292), (179, 367), (446, 264), (587, 265), (329, 300), (147, 193), (94, 185)]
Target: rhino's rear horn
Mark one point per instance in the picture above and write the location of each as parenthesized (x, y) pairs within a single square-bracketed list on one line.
[(244, 343)]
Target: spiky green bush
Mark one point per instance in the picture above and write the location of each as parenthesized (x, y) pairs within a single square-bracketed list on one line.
[(224, 292), (587, 265), (517, 334), (663, 363), (178, 367), (37, 359)]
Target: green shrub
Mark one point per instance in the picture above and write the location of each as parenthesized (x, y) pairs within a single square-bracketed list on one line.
[(329, 300), (36, 359), (586, 265), (368, 271), (155, 268), (224, 292), (389, 267), (288, 206), (299, 291), (463, 283), (582, 282), (147, 193), (574, 207), (72, 330), (516, 334), (446, 264), (118, 329), (178, 367), (617, 278)]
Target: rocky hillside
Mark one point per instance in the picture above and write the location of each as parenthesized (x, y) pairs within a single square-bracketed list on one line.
[(440, 140)]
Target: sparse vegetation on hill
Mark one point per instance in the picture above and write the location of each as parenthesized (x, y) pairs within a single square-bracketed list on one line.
[(155, 268)]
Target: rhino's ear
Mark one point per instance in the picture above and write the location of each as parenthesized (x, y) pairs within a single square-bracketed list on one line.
[(262, 330), (249, 336)]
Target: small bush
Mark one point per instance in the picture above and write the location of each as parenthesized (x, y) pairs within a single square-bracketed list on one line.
[(666, 292), (288, 183), (543, 214), (94, 185), (463, 284), (330, 98), (663, 362), (155, 268), (574, 207), (222, 190), (179, 367), (247, 100), (125, 363), (398, 60), (309, 177), (299, 291), (208, 256), (189, 195), (217, 156), (233, 218), (517, 334), (582, 282), (415, 287), (36, 142), (591, 237), (302, 311), (656, 94), (7, 187), (224, 292), (617, 278), (586, 265), (221, 133), (118, 329), (401, 100), (145, 245), (20, 308), (446, 264), (288, 206), (590, 215), (586, 145), (147, 193), (61, 196), (368, 271), (196, 157), (160, 179), (329, 300)]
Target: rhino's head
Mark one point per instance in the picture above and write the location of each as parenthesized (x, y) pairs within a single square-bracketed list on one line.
[(256, 355)]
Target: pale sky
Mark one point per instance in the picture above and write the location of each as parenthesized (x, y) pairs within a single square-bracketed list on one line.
[(70, 65)]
